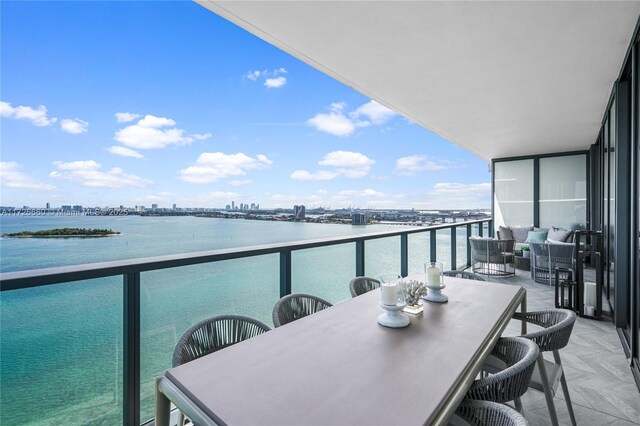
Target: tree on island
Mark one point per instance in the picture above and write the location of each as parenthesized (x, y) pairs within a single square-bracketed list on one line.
[(65, 232)]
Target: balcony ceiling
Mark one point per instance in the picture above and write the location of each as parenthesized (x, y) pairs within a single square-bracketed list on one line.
[(499, 79)]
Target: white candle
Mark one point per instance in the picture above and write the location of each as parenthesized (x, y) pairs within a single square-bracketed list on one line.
[(433, 276), (590, 294), (389, 294), (591, 311)]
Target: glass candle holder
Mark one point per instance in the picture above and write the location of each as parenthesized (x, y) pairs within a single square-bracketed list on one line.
[(392, 289), (433, 274)]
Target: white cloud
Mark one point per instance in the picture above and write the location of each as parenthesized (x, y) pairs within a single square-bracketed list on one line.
[(414, 164), (272, 79), (451, 195), (338, 124), (240, 182), (88, 173), (75, 126), (209, 199), (11, 176), (346, 163), (125, 117), (374, 112), (153, 132), (38, 117), (253, 75), (275, 83), (213, 166), (306, 175), (333, 123), (365, 193), (124, 152)]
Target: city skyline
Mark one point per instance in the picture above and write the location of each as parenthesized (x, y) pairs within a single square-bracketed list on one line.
[(197, 112)]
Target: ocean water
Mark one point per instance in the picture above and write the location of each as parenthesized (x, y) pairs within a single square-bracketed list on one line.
[(61, 345)]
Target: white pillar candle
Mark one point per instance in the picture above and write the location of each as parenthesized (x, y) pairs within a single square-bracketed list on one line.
[(591, 311), (433, 276), (590, 294), (389, 294)]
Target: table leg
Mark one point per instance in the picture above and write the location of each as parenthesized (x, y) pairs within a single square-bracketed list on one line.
[(523, 311), (163, 406)]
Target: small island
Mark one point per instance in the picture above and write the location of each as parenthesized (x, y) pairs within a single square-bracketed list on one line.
[(64, 233)]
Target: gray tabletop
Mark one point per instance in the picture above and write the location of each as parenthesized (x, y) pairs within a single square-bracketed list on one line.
[(339, 366)]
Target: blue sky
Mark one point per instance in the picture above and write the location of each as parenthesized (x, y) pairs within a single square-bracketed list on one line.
[(134, 103)]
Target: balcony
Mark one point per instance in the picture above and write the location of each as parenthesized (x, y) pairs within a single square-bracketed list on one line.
[(596, 368)]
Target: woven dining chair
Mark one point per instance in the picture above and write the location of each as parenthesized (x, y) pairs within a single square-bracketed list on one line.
[(211, 335), (557, 325), (483, 413), (463, 274), (508, 384), (295, 306), (362, 285)]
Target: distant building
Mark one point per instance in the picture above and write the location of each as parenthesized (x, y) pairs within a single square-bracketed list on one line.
[(175, 207), (257, 206), (299, 212), (48, 205), (227, 207), (154, 206), (253, 206), (233, 205), (358, 219)]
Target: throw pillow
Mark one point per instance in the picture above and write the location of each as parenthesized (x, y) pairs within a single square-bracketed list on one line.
[(520, 234), (536, 237), (558, 235), (505, 233)]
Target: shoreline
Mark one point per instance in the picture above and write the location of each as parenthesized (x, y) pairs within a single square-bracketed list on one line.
[(60, 236)]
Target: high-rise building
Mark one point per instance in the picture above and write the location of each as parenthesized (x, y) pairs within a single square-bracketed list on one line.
[(227, 207), (358, 219), (233, 205), (48, 205), (299, 212), (174, 206), (154, 206)]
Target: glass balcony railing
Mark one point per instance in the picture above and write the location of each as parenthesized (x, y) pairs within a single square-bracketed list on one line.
[(105, 347)]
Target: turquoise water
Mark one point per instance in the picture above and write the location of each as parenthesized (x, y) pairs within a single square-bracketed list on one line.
[(61, 345)]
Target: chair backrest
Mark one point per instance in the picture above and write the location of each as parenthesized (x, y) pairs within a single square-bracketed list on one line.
[(215, 333), (557, 326), (491, 246), (482, 413), (296, 306), (463, 274), (520, 357), (362, 285)]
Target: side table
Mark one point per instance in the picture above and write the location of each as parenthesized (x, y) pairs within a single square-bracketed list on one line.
[(523, 263)]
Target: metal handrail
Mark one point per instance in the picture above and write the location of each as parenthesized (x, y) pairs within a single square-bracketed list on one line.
[(46, 276), (131, 270)]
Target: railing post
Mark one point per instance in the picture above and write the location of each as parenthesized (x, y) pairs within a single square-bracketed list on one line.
[(359, 258), (468, 245), (454, 254), (480, 228), (404, 255), (131, 349), (285, 273), (432, 245)]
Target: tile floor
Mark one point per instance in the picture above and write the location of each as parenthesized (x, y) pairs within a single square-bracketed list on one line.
[(600, 381)]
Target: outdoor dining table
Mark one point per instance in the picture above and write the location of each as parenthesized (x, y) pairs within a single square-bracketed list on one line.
[(339, 366)]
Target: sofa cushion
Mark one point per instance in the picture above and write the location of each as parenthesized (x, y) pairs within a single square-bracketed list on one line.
[(504, 233), (536, 237), (520, 233), (558, 235)]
